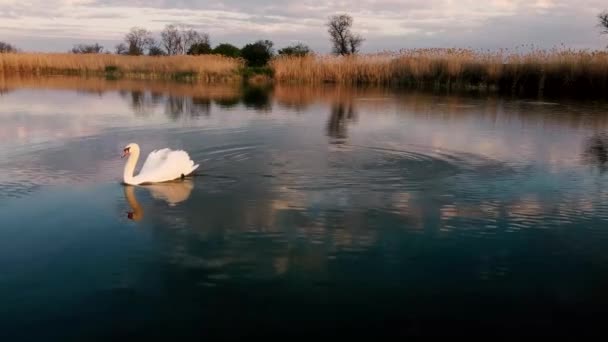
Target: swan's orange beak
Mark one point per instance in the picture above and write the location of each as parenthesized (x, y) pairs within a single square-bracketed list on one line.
[(125, 153)]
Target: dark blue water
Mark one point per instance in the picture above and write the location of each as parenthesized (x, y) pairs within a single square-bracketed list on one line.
[(316, 211)]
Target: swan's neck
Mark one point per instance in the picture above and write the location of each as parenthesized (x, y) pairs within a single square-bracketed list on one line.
[(130, 167)]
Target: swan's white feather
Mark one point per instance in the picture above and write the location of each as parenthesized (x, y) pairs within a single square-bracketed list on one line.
[(165, 165), (154, 160)]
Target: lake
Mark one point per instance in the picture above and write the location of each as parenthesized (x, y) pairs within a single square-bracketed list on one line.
[(316, 211)]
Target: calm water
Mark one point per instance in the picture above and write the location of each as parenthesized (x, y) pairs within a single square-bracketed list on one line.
[(348, 212)]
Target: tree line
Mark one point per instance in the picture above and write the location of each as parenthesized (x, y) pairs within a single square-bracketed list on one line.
[(181, 40)]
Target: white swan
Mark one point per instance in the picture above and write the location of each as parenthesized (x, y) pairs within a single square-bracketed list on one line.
[(160, 166)]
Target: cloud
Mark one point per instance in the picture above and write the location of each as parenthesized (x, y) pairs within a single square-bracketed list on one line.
[(387, 24)]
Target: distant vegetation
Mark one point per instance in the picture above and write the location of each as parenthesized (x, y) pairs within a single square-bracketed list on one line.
[(7, 48), (258, 54), (200, 48), (206, 67), (603, 18), (138, 40), (343, 40), (535, 72), (87, 48), (227, 50), (295, 50)]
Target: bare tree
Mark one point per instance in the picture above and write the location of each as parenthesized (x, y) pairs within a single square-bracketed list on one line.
[(354, 42), (138, 40), (603, 18), (171, 40), (154, 49), (179, 40), (121, 49), (343, 40), (87, 48), (191, 37), (6, 47)]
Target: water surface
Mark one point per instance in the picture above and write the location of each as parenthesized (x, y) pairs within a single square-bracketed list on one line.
[(336, 210)]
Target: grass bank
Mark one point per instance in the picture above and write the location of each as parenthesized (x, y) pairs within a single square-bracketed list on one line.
[(553, 72), (203, 67)]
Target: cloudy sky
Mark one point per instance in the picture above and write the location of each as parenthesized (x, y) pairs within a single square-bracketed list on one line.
[(55, 25)]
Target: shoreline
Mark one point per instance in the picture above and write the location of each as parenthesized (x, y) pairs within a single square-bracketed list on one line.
[(537, 74)]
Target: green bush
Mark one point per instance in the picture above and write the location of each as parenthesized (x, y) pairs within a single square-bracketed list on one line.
[(227, 50), (199, 49), (258, 53), (295, 50)]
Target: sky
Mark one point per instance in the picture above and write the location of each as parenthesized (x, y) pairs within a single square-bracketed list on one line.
[(56, 25)]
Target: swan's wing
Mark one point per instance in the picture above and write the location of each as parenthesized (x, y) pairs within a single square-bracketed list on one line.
[(155, 159), (167, 165)]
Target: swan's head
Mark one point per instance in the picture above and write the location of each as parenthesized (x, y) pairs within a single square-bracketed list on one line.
[(131, 148)]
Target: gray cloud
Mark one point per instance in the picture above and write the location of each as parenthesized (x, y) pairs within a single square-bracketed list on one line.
[(387, 24)]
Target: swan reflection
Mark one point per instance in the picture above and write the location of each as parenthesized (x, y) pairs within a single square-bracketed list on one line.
[(172, 193)]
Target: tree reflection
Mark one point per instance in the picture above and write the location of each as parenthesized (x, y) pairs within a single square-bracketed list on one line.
[(340, 116), (178, 106), (141, 102), (228, 103), (257, 98), (174, 107), (137, 102), (596, 151), (200, 106)]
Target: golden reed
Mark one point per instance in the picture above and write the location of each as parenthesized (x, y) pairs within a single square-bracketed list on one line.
[(537, 71), (203, 67)]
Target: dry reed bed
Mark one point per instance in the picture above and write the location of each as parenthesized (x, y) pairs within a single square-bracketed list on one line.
[(553, 71), (206, 67)]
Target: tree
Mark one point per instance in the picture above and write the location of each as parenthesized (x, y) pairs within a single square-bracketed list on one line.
[(171, 40), (199, 49), (6, 48), (121, 49), (258, 53), (227, 50), (87, 48), (138, 40), (295, 50), (156, 50), (603, 18), (191, 37), (343, 40), (354, 42)]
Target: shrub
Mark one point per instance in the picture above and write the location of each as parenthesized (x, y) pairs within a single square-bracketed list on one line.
[(199, 49), (227, 50), (258, 53), (295, 50)]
